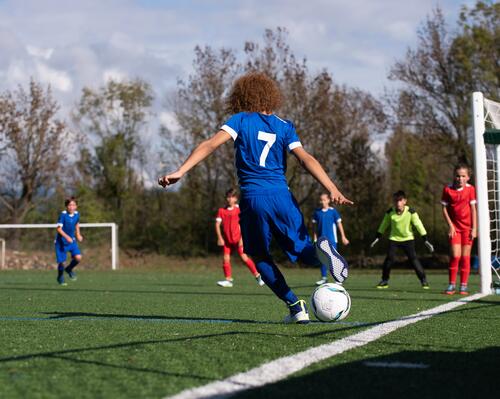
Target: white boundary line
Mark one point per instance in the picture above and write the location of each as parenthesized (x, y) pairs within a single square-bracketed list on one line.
[(283, 367)]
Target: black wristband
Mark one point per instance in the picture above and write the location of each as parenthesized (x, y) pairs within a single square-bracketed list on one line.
[(424, 238)]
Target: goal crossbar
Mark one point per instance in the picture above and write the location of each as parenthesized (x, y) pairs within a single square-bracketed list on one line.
[(114, 235)]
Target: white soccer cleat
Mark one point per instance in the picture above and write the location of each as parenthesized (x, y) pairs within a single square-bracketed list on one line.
[(328, 255), (300, 317), (260, 281), (225, 283)]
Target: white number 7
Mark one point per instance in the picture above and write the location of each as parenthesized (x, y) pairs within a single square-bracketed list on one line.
[(270, 139)]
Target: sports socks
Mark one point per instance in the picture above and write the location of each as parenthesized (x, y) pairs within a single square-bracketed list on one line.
[(309, 257), (464, 269), (453, 269), (275, 280), (60, 270), (248, 262), (72, 265), (226, 266)]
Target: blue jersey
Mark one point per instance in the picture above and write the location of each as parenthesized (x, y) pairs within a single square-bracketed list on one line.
[(68, 223), (325, 221), (261, 143)]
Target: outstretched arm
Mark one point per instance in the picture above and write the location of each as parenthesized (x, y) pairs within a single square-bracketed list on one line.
[(316, 170), (203, 150)]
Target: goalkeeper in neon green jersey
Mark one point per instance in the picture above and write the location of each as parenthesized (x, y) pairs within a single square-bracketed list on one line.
[(402, 219)]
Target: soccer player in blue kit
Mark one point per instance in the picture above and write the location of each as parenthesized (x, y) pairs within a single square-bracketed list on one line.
[(326, 222), (268, 209), (68, 231)]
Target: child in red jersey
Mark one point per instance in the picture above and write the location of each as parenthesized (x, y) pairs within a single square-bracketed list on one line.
[(459, 211), (230, 238)]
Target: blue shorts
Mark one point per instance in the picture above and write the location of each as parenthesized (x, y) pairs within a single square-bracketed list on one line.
[(62, 249), (272, 214)]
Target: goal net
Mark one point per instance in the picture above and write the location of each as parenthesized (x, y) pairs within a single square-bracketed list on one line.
[(486, 115), (31, 246)]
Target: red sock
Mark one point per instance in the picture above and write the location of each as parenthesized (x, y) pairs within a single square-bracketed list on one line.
[(453, 269), (464, 269), (249, 262), (226, 266), (251, 267)]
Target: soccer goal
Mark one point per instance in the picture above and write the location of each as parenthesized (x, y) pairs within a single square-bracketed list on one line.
[(486, 114), (34, 243)]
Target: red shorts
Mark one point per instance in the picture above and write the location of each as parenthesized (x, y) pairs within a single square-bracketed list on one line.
[(228, 248), (461, 238)]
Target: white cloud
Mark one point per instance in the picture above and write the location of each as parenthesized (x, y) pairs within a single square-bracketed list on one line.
[(59, 80), (169, 120), (38, 52), (113, 74)]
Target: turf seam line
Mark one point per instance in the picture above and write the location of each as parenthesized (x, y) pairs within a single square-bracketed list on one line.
[(281, 368)]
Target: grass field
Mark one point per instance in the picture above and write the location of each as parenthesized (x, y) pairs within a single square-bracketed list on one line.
[(130, 334)]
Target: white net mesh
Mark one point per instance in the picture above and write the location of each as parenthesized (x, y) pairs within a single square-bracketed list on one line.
[(492, 121), (29, 247)]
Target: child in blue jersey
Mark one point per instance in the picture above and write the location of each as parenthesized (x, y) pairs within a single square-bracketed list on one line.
[(68, 231), (327, 221), (268, 209)]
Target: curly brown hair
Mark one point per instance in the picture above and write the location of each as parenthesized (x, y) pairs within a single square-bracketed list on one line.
[(254, 92)]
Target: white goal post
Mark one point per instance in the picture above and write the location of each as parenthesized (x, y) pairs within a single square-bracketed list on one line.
[(114, 236), (486, 127)]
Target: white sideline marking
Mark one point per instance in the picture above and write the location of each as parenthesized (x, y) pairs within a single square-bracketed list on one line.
[(283, 367), (397, 365)]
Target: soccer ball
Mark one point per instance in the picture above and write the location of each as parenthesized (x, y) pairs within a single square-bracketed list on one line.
[(330, 302)]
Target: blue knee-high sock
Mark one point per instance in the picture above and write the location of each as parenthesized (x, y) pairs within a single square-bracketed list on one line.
[(309, 257), (60, 269), (72, 265), (275, 280), (323, 271)]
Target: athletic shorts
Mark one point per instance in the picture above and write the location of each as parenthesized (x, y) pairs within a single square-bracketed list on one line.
[(229, 247), (461, 238), (62, 249), (272, 215)]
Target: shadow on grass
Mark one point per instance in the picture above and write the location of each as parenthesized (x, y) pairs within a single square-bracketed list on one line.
[(71, 355), (406, 374), (83, 315), (72, 289)]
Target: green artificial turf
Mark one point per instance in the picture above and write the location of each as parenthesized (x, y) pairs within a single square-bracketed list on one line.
[(150, 334)]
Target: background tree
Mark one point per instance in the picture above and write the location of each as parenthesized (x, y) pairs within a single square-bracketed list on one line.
[(35, 147), (431, 112), (112, 119), (327, 117)]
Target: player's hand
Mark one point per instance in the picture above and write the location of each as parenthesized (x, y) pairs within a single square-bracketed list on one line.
[(69, 239), (374, 242), (338, 198), (79, 237), (169, 179), (429, 246), (345, 241), (220, 242), (473, 234), (452, 232)]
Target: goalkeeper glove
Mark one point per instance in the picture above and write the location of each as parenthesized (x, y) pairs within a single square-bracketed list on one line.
[(377, 237), (429, 246)]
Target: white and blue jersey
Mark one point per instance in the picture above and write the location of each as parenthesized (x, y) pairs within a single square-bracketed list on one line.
[(261, 143), (268, 209), (68, 224), (325, 223)]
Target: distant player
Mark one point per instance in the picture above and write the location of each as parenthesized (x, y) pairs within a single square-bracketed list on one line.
[(326, 222), (459, 211), (230, 238), (401, 219), (268, 209), (68, 231)]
